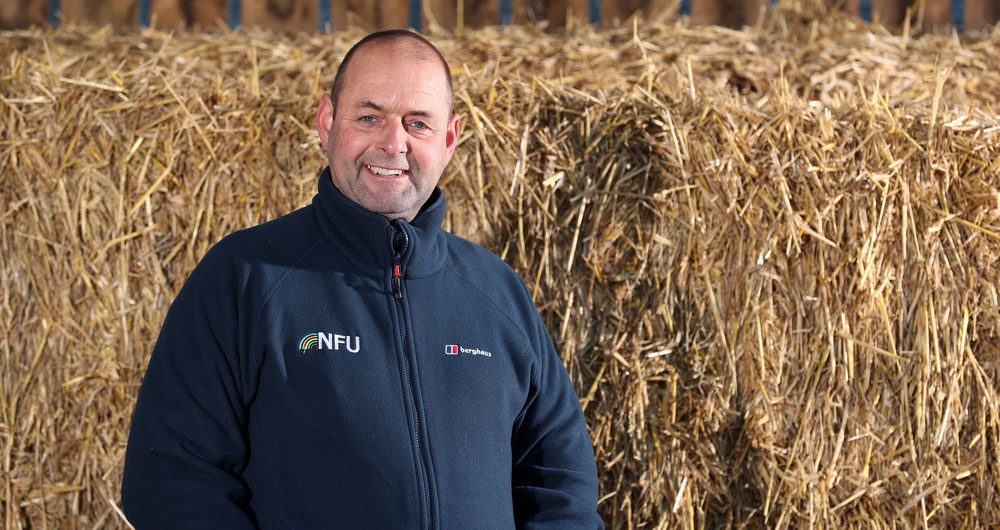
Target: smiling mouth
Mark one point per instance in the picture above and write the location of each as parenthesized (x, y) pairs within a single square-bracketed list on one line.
[(385, 172)]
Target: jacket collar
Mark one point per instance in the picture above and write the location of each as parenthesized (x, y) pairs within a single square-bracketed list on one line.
[(363, 235)]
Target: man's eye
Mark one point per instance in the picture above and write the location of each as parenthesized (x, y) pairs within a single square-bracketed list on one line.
[(418, 125), (368, 119)]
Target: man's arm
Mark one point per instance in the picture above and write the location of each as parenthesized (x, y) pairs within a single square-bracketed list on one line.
[(555, 477), (187, 444)]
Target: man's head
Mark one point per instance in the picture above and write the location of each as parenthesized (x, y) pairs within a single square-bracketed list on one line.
[(387, 126), (420, 47)]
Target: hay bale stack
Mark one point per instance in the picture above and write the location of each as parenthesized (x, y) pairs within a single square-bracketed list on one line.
[(769, 258)]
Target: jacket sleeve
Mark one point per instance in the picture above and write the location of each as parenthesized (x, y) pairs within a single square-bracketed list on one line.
[(554, 477), (187, 444)]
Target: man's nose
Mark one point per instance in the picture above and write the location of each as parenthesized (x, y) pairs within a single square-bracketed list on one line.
[(393, 139)]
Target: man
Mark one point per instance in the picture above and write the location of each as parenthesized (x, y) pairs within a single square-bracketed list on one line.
[(351, 365)]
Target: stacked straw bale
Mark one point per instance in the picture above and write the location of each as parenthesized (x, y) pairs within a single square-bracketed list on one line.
[(769, 258)]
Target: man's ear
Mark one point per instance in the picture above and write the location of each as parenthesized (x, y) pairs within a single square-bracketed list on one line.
[(451, 134), (324, 120)]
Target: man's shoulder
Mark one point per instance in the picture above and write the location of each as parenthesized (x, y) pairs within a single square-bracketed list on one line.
[(466, 256), (491, 276), (281, 235), (281, 241)]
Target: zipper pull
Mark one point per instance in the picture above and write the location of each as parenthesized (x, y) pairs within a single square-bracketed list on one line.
[(398, 241), (397, 288)]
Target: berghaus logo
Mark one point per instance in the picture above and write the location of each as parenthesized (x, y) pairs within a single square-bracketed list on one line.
[(330, 341), (455, 349)]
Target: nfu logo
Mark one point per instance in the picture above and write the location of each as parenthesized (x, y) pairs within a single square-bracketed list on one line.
[(330, 341)]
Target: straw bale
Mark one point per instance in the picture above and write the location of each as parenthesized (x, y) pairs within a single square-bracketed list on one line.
[(768, 257)]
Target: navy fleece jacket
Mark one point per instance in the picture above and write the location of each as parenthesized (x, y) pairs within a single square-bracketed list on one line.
[(332, 369)]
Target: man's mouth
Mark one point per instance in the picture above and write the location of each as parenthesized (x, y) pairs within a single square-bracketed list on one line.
[(385, 172)]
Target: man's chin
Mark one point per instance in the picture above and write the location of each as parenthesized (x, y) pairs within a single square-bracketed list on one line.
[(389, 210)]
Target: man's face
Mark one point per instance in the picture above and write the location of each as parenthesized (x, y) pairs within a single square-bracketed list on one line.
[(392, 133)]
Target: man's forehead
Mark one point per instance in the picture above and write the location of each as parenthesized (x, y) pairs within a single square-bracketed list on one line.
[(387, 78), (401, 50), (416, 111), (381, 89)]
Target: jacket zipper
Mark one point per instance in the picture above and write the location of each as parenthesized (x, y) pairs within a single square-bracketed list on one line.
[(398, 243)]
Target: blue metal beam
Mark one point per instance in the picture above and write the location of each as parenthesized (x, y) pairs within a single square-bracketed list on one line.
[(416, 15), (506, 12), (866, 10), (958, 14), (145, 12), (324, 15), (595, 11), (54, 13), (235, 13), (685, 8)]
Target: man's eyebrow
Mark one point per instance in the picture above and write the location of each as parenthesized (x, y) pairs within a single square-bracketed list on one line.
[(368, 104)]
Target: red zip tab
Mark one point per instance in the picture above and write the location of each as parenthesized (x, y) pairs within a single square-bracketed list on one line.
[(397, 288), (397, 245)]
